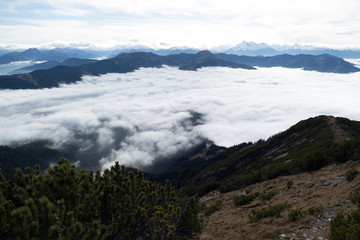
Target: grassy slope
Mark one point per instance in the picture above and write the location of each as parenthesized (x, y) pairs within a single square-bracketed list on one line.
[(326, 188)]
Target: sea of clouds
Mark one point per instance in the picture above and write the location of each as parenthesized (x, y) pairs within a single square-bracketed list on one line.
[(153, 113), (8, 68)]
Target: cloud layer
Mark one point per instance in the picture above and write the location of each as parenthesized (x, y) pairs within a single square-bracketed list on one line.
[(7, 68), (148, 114), (196, 23)]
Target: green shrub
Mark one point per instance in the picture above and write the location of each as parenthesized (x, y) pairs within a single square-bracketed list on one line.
[(295, 215), (213, 208), (228, 187), (267, 196), (244, 199), (345, 227), (117, 204), (289, 184), (351, 174), (314, 210), (270, 211), (201, 190), (355, 197)]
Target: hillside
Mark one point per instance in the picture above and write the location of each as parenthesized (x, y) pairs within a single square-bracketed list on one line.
[(37, 66), (306, 146), (187, 164), (325, 192), (26, 155), (289, 187)]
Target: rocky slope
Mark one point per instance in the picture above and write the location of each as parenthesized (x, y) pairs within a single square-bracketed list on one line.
[(325, 191)]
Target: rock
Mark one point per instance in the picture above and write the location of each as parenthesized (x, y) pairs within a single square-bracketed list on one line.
[(241, 193)]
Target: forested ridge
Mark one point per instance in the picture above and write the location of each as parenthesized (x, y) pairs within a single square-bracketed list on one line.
[(67, 204)]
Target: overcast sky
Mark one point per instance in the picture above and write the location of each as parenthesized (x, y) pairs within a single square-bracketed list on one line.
[(196, 23)]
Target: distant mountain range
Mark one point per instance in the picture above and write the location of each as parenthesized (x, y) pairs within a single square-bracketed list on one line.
[(262, 49), (123, 63), (73, 69), (45, 58), (249, 49), (72, 62), (33, 54), (243, 48)]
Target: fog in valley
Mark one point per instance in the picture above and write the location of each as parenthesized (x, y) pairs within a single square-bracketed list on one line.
[(153, 113)]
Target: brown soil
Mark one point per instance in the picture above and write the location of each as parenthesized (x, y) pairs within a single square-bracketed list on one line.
[(326, 187)]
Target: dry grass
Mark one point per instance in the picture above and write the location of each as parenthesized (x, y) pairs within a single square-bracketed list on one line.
[(326, 187)]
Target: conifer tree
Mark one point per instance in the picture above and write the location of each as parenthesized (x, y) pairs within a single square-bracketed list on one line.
[(66, 204)]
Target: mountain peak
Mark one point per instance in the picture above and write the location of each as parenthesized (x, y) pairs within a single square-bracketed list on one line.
[(206, 58), (32, 51), (205, 53), (250, 46)]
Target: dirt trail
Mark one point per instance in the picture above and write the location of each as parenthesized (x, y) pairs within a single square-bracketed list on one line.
[(339, 134)]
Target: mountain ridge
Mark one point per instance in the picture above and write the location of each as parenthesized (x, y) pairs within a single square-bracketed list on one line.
[(123, 63), (70, 62), (306, 146), (320, 63), (128, 62), (35, 55), (249, 48), (207, 59)]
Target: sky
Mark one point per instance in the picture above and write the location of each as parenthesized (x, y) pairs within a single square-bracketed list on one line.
[(138, 117), (164, 23)]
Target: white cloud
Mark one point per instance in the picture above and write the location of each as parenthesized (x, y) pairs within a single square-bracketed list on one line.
[(7, 68), (137, 117), (192, 22)]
